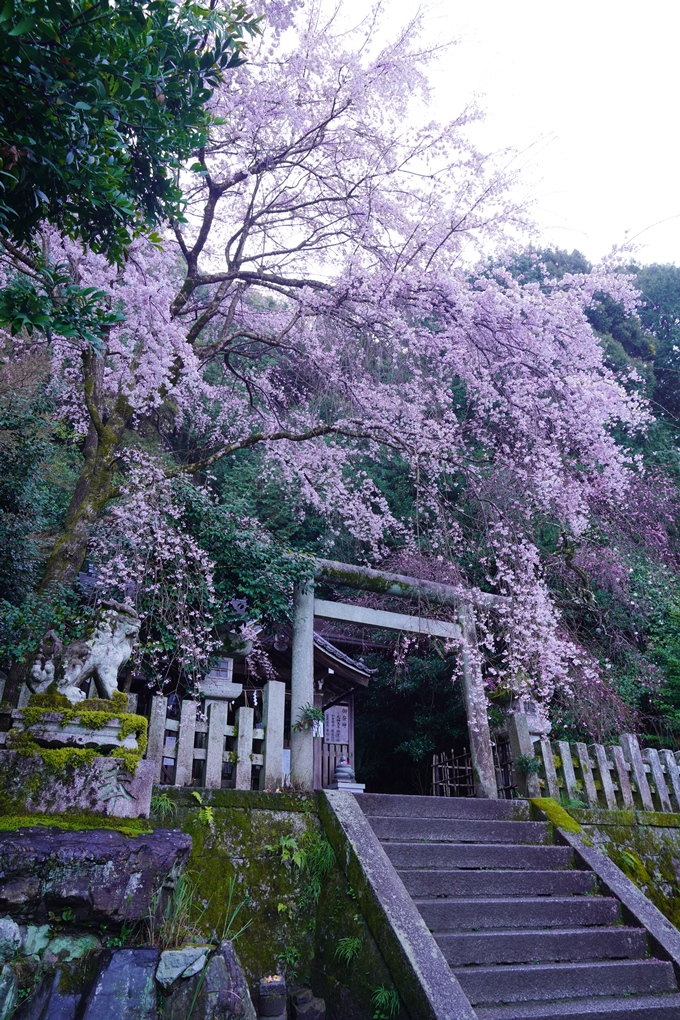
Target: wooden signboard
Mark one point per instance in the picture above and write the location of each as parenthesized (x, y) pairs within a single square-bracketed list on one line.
[(336, 725)]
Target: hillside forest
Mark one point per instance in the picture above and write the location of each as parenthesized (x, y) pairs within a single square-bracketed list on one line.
[(258, 306)]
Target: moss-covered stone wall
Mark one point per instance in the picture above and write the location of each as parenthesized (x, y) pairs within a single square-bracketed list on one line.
[(645, 845), (347, 983), (270, 850)]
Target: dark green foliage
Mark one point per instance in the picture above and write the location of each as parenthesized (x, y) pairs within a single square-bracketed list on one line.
[(47, 302), (254, 574), (403, 717), (99, 104), (33, 470), (660, 315)]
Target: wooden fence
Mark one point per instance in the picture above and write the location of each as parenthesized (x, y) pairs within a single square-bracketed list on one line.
[(202, 748), (618, 776)]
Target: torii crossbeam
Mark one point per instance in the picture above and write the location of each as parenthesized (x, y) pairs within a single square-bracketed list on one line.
[(462, 631)]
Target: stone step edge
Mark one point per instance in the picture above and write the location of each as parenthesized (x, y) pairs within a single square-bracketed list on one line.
[(533, 900), (552, 932), (668, 1004)]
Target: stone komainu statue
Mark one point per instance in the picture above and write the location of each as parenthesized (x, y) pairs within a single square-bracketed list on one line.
[(97, 657)]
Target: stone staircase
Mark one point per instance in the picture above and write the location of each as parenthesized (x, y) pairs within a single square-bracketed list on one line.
[(524, 928)]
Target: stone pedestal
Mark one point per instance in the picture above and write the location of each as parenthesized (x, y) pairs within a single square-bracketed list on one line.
[(348, 787)]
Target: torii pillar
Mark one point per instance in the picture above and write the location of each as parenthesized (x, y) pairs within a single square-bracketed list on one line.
[(481, 752), (302, 687)]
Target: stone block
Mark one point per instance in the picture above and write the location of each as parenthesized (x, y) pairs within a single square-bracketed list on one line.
[(314, 1009), (299, 996), (305, 1006), (124, 987), (104, 786), (8, 992), (51, 732), (185, 962), (10, 938), (272, 997), (36, 939), (102, 875)]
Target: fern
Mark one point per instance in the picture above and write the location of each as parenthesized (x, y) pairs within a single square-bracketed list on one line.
[(348, 949), (385, 1002)]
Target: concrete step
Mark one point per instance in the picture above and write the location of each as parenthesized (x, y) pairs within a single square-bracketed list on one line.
[(387, 804), (533, 912), (433, 884), (531, 983), (449, 856), (644, 1007), (458, 830), (537, 945)]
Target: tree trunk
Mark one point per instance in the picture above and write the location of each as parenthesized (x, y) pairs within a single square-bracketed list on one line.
[(93, 490)]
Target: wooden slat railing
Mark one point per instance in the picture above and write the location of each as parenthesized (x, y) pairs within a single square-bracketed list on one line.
[(194, 749)]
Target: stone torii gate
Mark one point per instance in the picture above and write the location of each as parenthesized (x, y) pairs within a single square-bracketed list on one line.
[(463, 630)]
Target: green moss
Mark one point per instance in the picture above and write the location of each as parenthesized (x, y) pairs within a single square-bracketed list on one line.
[(556, 814), (75, 822), (648, 854), (131, 759), (136, 724), (51, 700), (57, 759), (97, 714)]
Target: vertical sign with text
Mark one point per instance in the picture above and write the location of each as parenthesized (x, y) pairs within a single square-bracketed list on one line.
[(336, 725)]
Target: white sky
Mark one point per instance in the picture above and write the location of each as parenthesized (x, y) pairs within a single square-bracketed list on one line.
[(594, 87)]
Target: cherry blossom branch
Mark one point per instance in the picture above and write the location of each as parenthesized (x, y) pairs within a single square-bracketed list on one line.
[(268, 437)]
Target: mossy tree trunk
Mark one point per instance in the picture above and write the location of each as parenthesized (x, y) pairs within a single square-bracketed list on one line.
[(92, 492)]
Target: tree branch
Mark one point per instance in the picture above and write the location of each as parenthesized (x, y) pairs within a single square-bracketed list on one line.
[(269, 437)]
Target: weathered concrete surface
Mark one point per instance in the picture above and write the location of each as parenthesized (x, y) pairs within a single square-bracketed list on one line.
[(104, 786), (124, 987), (418, 968), (100, 874), (665, 937)]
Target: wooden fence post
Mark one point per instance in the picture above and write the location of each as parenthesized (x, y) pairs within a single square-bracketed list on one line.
[(632, 753), (549, 769), (651, 755), (156, 740), (184, 768), (217, 724), (273, 711), (244, 748), (568, 770), (587, 773), (603, 767), (673, 774)]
